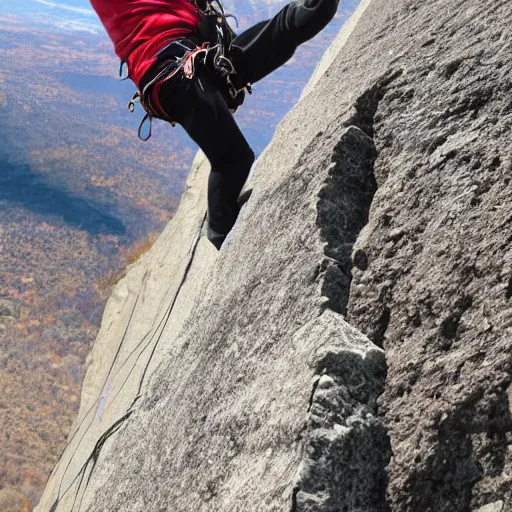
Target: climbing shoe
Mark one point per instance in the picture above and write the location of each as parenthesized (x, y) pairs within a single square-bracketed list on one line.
[(216, 238), (306, 18)]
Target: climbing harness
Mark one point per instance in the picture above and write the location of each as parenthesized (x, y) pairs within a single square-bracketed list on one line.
[(185, 55)]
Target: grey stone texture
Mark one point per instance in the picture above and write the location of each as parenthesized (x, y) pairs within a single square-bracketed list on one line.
[(232, 418), (348, 349), (436, 293)]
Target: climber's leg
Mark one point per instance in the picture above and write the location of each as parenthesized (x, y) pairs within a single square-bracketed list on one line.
[(198, 106), (263, 48)]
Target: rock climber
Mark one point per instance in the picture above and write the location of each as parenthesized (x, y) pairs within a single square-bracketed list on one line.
[(191, 68)]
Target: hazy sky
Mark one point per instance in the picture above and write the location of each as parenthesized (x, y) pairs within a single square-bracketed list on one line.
[(64, 15)]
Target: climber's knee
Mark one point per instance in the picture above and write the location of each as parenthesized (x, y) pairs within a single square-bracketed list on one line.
[(247, 158), (232, 168), (244, 163)]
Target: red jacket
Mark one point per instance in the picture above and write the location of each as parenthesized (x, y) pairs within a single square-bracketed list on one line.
[(139, 29)]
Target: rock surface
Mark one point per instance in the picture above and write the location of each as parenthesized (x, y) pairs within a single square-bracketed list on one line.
[(13, 501), (295, 370), (436, 293)]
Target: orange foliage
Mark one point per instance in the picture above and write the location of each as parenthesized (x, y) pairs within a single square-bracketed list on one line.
[(143, 203), (102, 181), (131, 255), (139, 248), (13, 500)]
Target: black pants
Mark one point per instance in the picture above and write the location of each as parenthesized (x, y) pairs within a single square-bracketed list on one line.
[(201, 109)]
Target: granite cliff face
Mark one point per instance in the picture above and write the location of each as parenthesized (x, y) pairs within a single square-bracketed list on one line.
[(347, 350)]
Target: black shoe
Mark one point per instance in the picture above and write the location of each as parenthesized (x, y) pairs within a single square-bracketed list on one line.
[(216, 238), (244, 197), (306, 18)]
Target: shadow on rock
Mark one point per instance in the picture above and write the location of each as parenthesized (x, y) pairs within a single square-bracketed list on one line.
[(472, 448)]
